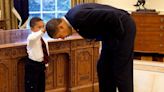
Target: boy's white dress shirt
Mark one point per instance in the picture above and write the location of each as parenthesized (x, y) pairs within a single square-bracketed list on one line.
[(34, 46)]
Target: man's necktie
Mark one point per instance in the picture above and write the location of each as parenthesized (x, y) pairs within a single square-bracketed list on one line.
[(45, 53)]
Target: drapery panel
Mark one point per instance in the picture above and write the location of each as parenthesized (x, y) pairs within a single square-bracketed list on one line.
[(75, 2), (6, 14)]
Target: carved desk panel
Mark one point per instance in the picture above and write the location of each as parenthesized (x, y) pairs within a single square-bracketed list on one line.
[(72, 67)]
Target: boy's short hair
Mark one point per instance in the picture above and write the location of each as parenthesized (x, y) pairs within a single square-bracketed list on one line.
[(34, 20)]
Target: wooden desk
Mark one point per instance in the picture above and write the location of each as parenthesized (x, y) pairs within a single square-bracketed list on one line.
[(72, 67)]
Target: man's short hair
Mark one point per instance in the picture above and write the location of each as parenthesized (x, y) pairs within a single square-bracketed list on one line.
[(51, 26), (34, 20)]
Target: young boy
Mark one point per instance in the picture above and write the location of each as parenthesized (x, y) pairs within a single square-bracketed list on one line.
[(36, 63)]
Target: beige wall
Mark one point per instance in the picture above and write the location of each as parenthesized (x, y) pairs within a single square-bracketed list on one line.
[(128, 4)]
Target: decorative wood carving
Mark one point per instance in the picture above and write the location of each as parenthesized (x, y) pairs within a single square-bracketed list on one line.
[(20, 74), (84, 62), (4, 77), (58, 72), (59, 47)]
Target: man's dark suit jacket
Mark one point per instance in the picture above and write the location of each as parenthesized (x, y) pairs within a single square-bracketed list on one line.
[(114, 27), (96, 21)]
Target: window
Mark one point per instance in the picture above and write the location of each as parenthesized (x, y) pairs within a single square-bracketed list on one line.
[(47, 9)]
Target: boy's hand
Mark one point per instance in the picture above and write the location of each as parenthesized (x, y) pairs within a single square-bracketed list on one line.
[(43, 30)]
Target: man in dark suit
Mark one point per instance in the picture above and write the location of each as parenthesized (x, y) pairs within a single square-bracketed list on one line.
[(115, 28)]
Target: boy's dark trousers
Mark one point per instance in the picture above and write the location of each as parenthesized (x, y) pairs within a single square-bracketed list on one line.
[(34, 76)]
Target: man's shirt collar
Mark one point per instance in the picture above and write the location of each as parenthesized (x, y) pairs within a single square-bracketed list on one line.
[(67, 21)]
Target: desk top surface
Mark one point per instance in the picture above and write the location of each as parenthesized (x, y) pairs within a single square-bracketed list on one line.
[(17, 38)]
